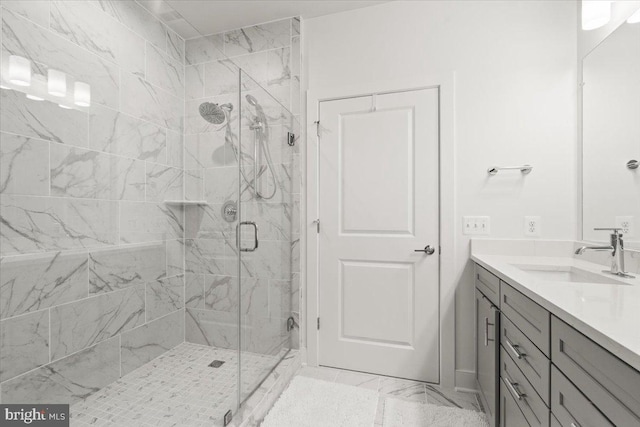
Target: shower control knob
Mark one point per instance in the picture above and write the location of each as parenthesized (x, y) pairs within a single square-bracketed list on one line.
[(429, 250)]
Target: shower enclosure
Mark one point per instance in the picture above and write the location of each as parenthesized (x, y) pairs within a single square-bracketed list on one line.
[(149, 197)]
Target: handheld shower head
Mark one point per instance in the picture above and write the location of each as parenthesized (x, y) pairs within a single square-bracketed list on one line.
[(252, 100)]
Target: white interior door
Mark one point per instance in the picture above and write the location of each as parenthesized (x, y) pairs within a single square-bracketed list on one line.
[(379, 202)]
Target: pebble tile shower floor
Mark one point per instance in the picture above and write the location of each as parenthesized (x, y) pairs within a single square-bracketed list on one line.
[(176, 389)]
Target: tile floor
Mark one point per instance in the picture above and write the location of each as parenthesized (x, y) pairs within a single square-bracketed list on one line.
[(177, 388), (397, 388)]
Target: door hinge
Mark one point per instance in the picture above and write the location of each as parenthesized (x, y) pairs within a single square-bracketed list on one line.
[(317, 223), (318, 323), (439, 250), (317, 123)]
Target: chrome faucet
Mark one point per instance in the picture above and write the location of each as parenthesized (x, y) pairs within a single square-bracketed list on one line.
[(617, 252)]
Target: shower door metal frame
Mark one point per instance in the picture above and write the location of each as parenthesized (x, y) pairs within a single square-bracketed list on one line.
[(445, 83)]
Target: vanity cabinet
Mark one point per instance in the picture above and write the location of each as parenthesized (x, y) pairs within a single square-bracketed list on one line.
[(488, 285), (510, 413), (524, 363), (608, 383), (548, 373), (487, 344)]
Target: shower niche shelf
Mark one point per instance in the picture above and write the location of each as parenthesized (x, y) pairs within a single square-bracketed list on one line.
[(186, 202)]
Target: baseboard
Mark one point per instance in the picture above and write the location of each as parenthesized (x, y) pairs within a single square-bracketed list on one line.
[(466, 380)]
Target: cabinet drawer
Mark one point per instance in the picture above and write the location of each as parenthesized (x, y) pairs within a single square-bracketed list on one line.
[(510, 413), (612, 385), (533, 320), (488, 284), (531, 405), (531, 361), (570, 406)]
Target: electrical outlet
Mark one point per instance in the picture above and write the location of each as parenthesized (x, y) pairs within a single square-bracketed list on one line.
[(531, 225), (476, 225), (625, 223)]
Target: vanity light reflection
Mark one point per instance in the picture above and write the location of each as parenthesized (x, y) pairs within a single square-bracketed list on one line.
[(38, 88), (595, 13), (19, 71), (57, 83), (82, 94)]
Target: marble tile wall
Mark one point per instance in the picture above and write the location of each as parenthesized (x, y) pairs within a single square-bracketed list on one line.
[(269, 292), (91, 259)]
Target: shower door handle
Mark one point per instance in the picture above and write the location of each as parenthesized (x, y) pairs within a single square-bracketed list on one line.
[(255, 236)]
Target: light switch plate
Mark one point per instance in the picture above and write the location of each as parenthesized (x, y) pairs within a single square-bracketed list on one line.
[(476, 225), (532, 225)]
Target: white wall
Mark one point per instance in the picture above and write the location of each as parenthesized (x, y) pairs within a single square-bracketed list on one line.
[(515, 102)]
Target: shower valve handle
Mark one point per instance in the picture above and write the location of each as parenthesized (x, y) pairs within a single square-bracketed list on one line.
[(429, 250)]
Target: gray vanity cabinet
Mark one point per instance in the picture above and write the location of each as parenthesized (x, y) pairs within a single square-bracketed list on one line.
[(571, 407), (610, 386), (524, 340), (488, 284), (548, 374), (487, 347), (510, 413)]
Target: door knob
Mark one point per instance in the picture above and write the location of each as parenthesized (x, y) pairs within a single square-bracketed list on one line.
[(427, 250)]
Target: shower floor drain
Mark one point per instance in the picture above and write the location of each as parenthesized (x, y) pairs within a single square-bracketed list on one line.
[(216, 363)]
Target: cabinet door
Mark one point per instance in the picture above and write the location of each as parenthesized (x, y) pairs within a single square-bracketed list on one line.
[(510, 413), (487, 355)]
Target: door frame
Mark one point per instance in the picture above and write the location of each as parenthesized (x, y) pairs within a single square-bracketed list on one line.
[(446, 86)]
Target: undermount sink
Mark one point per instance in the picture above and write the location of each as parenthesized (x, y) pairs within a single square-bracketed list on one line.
[(562, 273)]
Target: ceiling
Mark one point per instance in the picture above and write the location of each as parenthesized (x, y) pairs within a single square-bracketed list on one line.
[(213, 16)]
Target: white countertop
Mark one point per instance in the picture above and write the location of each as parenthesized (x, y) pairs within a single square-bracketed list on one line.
[(609, 314)]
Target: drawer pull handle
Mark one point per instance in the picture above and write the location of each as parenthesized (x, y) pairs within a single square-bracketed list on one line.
[(515, 349), (514, 391)]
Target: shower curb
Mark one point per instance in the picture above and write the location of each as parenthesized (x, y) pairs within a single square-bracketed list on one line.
[(258, 405)]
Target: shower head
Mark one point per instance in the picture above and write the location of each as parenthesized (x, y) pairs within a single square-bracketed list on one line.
[(214, 113), (251, 100)]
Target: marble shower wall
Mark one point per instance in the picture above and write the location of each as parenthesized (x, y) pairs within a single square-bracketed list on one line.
[(270, 55), (92, 260)]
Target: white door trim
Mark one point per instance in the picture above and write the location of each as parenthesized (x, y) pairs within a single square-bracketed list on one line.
[(446, 85)]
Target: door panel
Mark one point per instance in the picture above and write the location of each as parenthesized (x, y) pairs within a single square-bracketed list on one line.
[(393, 285), (386, 167), (379, 299)]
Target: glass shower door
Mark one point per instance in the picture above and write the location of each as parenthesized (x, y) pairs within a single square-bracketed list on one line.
[(266, 232)]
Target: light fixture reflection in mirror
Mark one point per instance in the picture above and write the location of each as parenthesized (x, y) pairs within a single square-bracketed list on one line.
[(38, 88), (19, 70), (82, 94), (595, 13), (57, 83)]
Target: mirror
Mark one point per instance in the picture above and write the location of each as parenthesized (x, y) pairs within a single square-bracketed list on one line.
[(611, 136)]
